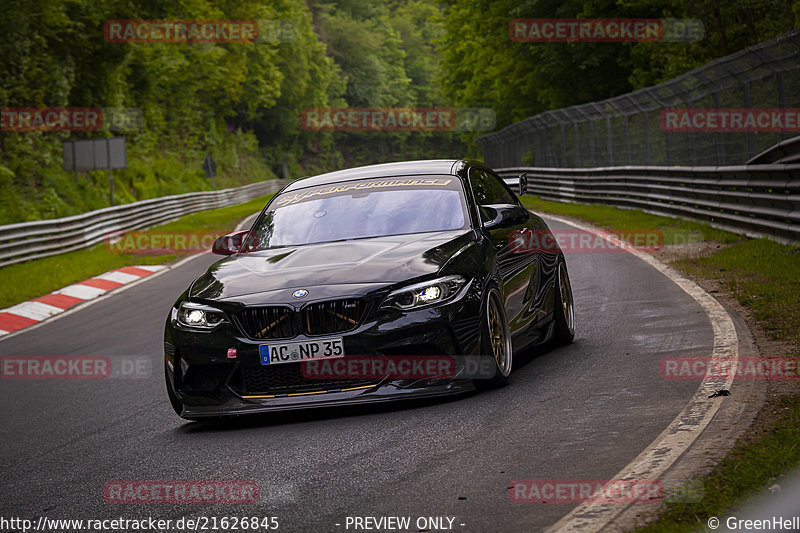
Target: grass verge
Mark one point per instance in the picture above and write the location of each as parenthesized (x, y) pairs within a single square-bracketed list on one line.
[(674, 230), (23, 281), (764, 276)]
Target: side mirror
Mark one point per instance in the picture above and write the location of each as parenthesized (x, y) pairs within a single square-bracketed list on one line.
[(504, 216), (523, 183), (230, 243)]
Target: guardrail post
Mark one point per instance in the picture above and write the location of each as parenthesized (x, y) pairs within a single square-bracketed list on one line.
[(577, 143), (751, 142), (781, 100)]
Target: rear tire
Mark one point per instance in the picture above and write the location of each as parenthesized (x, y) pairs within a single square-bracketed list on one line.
[(564, 312), (495, 341)]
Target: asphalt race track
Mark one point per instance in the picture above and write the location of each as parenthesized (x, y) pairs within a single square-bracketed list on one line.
[(577, 412)]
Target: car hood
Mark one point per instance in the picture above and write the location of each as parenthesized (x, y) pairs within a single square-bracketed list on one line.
[(376, 260)]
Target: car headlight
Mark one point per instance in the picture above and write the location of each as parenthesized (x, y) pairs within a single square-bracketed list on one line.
[(425, 293), (199, 316)]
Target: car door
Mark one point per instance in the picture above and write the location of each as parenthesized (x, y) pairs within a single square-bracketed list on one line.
[(517, 270)]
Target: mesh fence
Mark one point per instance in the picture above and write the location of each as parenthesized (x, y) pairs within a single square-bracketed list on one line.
[(627, 129)]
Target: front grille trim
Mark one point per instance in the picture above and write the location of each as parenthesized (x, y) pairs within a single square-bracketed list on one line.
[(281, 322), (332, 316), (268, 322)]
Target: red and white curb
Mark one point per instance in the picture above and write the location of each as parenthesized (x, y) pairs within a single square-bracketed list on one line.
[(29, 313)]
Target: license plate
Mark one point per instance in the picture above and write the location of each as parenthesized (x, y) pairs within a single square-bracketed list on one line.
[(277, 353)]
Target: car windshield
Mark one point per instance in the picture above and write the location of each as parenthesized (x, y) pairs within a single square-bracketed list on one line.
[(361, 209)]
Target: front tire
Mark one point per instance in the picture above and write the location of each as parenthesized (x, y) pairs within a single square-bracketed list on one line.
[(173, 398), (495, 341)]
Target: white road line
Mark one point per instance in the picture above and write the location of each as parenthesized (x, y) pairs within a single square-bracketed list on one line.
[(151, 268), (119, 277), (3, 332), (84, 292), (34, 310), (101, 296), (662, 453)]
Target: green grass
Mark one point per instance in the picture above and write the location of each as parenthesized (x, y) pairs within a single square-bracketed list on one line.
[(224, 219), (763, 276), (674, 230), (747, 469), (34, 186), (23, 281)]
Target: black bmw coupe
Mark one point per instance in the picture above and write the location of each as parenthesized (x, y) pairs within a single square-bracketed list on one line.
[(377, 283)]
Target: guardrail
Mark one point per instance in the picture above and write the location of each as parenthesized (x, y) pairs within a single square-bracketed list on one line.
[(754, 200), (785, 152), (32, 240)]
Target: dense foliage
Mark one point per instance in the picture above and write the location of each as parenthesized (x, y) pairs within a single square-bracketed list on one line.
[(521, 79), (241, 102)]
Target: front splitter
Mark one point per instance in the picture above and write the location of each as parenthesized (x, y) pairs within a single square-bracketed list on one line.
[(386, 392)]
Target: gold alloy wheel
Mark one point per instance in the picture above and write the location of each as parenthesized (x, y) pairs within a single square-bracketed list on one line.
[(498, 335), (496, 332)]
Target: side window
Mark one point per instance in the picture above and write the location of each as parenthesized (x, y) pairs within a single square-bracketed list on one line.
[(502, 189), (488, 190)]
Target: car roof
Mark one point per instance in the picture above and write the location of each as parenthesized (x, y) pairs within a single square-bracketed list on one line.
[(385, 170)]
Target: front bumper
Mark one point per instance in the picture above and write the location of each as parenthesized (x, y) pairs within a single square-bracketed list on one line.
[(209, 383), (391, 391)]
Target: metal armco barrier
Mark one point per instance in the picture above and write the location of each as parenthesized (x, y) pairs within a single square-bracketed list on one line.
[(785, 152), (754, 200), (42, 238)]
